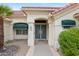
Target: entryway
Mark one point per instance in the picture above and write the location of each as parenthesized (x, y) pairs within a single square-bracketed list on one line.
[(41, 31)]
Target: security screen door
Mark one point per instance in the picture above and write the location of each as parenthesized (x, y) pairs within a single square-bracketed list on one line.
[(40, 32)]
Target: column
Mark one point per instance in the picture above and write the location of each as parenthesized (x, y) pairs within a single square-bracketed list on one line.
[(11, 31), (51, 33), (31, 34)]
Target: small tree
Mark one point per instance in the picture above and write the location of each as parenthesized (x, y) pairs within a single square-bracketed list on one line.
[(5, 11)]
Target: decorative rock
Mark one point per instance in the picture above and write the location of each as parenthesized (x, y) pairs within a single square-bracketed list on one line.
[(9, 50)]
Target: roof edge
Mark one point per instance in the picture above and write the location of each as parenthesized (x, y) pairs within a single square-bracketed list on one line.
[(43, 7)]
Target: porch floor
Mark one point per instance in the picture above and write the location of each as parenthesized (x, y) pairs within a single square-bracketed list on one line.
[(42, 49)]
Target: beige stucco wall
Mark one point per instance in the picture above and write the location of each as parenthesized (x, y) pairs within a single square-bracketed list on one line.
[(19, 19), (8, 31), (57, 25), (31, 16)]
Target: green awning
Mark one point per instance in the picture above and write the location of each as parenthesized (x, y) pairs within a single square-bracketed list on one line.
[(20, 26), (68, 23)]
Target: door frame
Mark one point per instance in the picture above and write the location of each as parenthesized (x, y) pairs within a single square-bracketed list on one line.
[(46, 30)]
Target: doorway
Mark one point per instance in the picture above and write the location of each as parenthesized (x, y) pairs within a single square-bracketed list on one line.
[(40, 32)]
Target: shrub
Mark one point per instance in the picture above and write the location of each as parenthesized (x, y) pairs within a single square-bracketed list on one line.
[(69, 42)]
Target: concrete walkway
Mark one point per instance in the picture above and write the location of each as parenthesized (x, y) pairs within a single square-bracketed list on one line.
[(42, 50)]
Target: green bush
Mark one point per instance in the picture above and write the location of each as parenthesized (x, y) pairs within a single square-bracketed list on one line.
[(69, 42)]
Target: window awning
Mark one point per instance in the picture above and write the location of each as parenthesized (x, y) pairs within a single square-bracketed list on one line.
[(20, 26), (68, 23)]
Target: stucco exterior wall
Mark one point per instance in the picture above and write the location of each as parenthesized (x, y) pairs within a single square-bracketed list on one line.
[(58, 27), (31, 16), (7, 31), (19, 20)]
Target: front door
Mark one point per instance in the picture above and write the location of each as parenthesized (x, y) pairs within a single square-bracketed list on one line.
[(40, 32)]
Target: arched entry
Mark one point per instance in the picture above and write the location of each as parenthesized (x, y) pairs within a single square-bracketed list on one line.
[(41, 29), (20, 30)]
